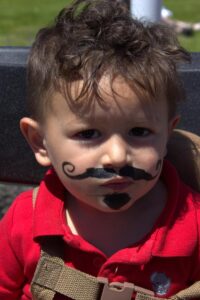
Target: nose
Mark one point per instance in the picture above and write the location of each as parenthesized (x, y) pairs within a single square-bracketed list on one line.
[(116, 152)]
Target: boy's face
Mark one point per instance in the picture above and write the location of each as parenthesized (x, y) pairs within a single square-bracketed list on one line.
[(108, 157)]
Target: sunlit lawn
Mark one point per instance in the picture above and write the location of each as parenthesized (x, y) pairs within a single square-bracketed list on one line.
[(21, 19), (186, 10)]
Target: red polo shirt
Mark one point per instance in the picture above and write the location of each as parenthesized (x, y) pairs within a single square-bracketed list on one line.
[(167, 261)]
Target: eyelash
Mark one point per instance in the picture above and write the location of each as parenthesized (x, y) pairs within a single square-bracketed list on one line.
[(94, 134), (89, 134), (140, 132)]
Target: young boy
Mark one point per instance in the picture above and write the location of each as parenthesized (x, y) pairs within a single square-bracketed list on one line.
[(102, 93)]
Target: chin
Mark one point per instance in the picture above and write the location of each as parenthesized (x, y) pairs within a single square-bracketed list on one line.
[(113, 205)]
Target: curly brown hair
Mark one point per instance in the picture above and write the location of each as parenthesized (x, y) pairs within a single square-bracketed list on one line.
[(91, 38)]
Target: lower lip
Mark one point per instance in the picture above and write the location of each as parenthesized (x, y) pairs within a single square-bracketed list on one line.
[(117, 186)]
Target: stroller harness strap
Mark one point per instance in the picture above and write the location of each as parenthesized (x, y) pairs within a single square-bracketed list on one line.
[(53, 276)]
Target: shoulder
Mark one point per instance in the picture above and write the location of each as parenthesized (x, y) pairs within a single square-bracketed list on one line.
[(20, 209), (17, 224), (16, 232)]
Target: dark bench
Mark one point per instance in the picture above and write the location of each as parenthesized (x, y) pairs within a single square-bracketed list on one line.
[(17, 163)]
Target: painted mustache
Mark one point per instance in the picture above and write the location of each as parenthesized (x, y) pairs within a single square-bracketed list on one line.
[(104, 173)]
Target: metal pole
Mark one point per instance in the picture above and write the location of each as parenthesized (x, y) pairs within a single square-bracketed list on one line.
[(147, 10)]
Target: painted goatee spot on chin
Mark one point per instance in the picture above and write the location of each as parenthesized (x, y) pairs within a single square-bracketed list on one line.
[(116, 200)]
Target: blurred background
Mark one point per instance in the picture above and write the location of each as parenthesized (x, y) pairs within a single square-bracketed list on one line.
[(21, 19)]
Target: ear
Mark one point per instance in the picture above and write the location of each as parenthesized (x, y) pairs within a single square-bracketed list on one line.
[(172, 124), (33, 133)]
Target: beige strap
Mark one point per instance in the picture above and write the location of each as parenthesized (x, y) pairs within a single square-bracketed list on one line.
[(192, 292), (53, 276)]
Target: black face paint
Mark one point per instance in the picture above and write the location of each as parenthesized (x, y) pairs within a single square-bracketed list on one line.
[(116, 200), (103, 173)]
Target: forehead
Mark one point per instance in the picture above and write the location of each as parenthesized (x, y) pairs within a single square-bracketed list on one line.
[(117, 98)]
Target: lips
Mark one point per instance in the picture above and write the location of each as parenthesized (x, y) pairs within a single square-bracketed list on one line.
[(117, 184)]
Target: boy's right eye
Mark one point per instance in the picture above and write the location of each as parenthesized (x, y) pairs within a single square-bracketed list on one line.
[(88, 134)]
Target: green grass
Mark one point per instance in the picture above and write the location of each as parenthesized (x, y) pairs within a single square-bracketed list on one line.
[(21, 19), (186, 10)]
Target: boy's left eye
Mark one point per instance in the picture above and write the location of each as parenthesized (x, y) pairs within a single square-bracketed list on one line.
[(88, 134), (140, 132)]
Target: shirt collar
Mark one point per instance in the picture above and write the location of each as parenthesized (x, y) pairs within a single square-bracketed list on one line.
[(175, 232), (49, 217)]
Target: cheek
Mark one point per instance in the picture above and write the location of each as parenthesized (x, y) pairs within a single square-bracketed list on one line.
[(149, 160), (77, 188), (81, 158)]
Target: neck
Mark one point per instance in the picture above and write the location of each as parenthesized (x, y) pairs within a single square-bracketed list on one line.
[(123, 228)]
